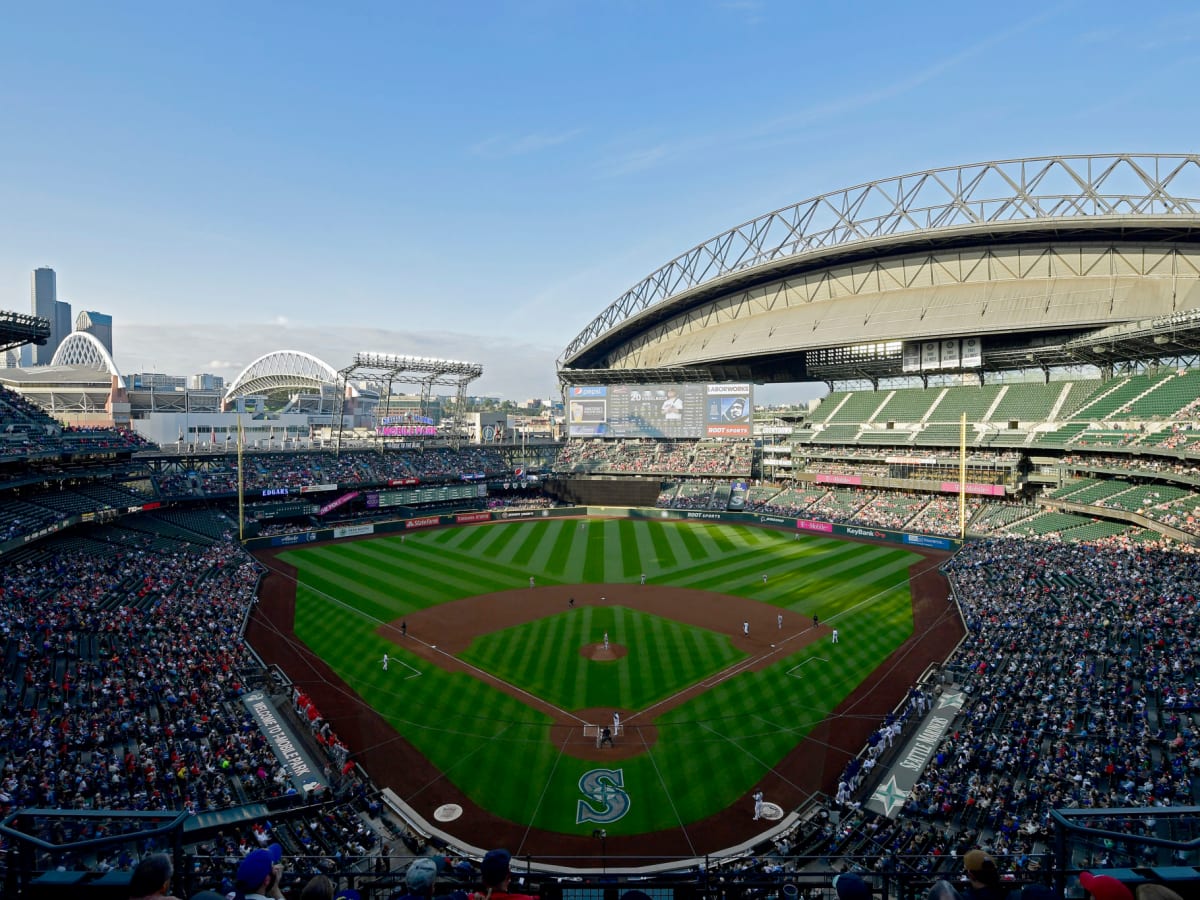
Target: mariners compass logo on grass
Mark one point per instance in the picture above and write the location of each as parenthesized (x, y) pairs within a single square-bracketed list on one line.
[(604, 788)]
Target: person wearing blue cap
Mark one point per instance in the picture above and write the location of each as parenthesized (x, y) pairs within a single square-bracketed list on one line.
[(259, 873), (495, 872)]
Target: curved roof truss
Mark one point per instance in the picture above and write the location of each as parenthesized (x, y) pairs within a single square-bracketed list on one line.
[(80, 348), (1041, 189), (283, 370)]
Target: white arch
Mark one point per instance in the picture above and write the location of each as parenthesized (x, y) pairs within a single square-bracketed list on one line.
[(282, 369), (83, 349)]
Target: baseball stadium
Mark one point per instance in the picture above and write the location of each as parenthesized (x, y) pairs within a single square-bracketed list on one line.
[(683, 641)]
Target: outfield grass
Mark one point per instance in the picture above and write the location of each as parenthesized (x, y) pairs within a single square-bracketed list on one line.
[(710, 750)]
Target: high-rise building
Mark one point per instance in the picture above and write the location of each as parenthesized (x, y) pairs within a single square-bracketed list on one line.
[(206, 381), (62, 322), (97, 324), (44, 295)]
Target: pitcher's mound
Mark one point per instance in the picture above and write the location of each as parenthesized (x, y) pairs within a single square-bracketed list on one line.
[(600, 653)]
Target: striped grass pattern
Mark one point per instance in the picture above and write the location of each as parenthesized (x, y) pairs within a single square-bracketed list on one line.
[(710, 751)]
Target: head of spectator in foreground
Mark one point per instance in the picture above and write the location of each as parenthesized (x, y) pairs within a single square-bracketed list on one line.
[(496, 870), (1104, 887), (259, 872), (152, 877), (318, 888), (420, 877), (850, 886), (1155, 892), (981, 869)]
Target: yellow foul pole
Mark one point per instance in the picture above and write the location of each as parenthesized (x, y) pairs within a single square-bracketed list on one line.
[(962, 477)]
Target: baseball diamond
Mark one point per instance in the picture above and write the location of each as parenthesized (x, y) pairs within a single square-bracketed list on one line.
[(515, 683)]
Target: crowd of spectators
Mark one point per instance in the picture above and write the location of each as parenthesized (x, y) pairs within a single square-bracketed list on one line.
[(646, 456), (358, 468)]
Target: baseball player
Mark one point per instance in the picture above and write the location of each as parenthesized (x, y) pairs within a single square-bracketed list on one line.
[(606, 640), (385, 662), (779, 621), (758, 805), (764, 577), (531, 581), (616, 721), (835, 636), (643, 578), (746, 628)]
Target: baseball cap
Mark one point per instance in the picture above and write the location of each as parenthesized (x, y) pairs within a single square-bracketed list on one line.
[(1104, 887), (495, 865), (421, 874), (254, 869), (850, 886)]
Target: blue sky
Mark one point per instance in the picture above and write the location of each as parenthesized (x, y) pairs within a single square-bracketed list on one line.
[(478, 180)]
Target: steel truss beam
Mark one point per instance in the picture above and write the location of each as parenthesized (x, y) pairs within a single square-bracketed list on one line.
[(1052, 189)]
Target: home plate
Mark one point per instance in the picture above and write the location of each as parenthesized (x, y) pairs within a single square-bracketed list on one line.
[(448, 812)]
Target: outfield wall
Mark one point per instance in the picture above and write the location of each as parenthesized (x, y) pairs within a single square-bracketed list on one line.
[(809, 526)]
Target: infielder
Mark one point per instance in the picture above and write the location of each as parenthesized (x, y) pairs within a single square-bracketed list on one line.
[(835, 636), (779, 620), (385, 662), (531, 581), (643, 578), (746, 628)]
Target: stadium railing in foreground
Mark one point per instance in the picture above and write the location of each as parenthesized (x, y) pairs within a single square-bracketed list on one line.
[(49, 852)]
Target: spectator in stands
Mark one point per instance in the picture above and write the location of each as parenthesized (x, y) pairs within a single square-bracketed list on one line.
[(259, 875), (419, 879), (850, 886), (319, 887), (1104, 887), (983, 877), (151, 878), (496, 872)]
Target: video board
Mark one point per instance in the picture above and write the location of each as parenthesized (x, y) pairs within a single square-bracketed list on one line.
[(659, 410)]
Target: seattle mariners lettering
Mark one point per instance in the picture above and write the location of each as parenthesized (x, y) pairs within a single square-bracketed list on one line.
[(604, 788)]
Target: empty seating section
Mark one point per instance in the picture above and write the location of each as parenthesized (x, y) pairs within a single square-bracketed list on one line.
[(1048, 523), (1114, 394), (1059, 436), (896, 437), (994, 518), (944, 435), (829, 405), (859, 406), (1139, 498), (1167, 399), (974, 401), (1027, 402), (1090, 490), (1094, 531), (836, 434), (908, 405), (1009, 437), (1078, 394), (1103, 437)]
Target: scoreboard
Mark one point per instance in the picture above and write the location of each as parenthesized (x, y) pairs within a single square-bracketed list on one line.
[(659, 410), (432, 494)]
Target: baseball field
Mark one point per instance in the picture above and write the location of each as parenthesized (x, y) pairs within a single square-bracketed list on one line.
[(714, 665)]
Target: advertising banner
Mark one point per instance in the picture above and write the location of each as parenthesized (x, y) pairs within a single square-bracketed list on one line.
[(340, 501), (813, 525), (987, 490), (353, 530), (304, 773), (829, 478)]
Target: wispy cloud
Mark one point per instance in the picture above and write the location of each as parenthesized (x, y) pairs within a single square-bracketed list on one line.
[(796, 126), (505, 146)]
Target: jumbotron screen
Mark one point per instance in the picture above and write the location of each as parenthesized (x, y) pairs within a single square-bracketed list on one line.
[(659, 410)]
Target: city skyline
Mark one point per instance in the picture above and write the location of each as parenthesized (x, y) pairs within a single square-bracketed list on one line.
[(480, 186)]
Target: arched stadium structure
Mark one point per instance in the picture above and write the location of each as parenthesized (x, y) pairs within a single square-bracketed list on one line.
[(1035, 258)]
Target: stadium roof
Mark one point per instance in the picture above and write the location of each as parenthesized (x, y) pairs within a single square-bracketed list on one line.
[(1035, 205), (283, 370)]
